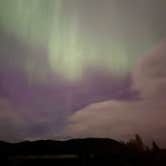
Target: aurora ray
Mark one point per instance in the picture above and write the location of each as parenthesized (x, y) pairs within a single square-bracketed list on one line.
[(70, 49)]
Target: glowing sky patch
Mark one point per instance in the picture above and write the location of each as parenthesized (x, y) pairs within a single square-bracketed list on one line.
[(70, 49)]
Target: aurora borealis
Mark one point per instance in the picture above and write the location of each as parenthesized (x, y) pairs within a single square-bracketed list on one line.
[(56, 25), (59, 56)]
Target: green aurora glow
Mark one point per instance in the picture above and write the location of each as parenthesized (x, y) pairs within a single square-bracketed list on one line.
[(71, 50)]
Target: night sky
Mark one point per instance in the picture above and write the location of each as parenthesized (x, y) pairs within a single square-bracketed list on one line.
[(82, 68)]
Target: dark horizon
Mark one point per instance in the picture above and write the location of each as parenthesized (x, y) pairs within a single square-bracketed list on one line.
[(89, 151)]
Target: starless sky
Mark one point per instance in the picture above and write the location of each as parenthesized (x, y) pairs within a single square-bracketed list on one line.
[(59, 56)]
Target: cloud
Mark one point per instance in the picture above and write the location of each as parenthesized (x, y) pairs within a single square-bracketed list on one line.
[(149, 76), (18, 124), (11, 122), (123, 119)]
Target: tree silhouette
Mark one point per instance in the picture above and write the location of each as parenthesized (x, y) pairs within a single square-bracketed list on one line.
[(155, 147), (136, 143)]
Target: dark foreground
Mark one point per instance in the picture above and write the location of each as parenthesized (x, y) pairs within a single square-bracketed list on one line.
[(80, 152)]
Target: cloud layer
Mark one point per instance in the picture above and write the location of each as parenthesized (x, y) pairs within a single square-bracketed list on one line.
[(123, 119), (11, 122), (149, 76)]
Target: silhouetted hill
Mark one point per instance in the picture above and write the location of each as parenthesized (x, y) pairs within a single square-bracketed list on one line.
[(87, 145), (89, 151)]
